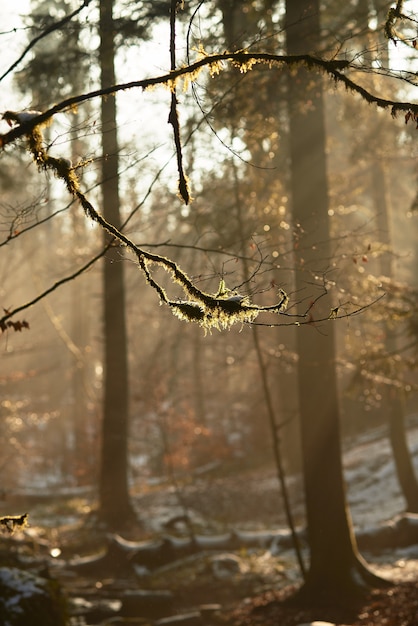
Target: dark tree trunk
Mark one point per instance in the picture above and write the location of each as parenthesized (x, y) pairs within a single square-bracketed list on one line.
[(394, 397), (402, 456), (114, 505), (337, 573)]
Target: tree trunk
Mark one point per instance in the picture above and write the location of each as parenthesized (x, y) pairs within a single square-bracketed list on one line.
[(337, 573), (198, 361), (394, 397), (114, 506)]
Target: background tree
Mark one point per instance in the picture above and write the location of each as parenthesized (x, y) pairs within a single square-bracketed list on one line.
[(114, 501), (47, 77), (336, 572), (395, 397)]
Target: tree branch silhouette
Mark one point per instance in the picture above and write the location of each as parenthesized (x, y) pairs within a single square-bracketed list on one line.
[(53, 27), (242, 60), (225, 308)]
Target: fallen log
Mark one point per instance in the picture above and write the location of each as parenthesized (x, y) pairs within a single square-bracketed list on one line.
[(399, 532), (122, 557)]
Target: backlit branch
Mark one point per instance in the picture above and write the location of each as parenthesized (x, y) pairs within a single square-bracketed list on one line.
[(241, 60), (5, 319), (173, 118), (394, 14), (11, 523), (335, 314), (225, 308), (221, 310)]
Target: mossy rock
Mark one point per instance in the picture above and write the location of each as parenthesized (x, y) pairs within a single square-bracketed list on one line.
[(29, 599)]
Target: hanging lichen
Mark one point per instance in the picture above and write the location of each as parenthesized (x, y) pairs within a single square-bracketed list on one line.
[(223, 310), (219, 311)]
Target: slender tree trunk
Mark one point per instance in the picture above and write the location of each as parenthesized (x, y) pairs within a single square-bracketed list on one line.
[(337, 574), (267, 395), (395, 397), (79, 408), (79, 332), (114, 506), (198, 362)]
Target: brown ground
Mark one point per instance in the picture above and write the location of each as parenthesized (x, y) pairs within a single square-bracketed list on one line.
[(394, 606), (248, 501), (397, 606)]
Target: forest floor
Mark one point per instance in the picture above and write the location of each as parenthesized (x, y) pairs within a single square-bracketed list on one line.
[(255, 591), (397, 606)]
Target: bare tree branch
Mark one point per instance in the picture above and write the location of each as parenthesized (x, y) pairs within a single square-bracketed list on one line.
[(309, 322), (242, 60), (224, 308), (173, 117), (52, 288), (53, 27)]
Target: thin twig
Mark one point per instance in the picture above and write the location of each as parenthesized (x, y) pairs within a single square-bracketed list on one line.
[(173, 117), (53, 27)]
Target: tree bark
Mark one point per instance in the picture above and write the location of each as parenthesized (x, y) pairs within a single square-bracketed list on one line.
[(114, 503), (404, 466), (337, 573), (393, 397)]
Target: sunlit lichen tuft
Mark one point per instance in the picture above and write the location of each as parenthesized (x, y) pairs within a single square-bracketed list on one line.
[(184, 189), (188, 311), (222, 311), (216, 68)]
